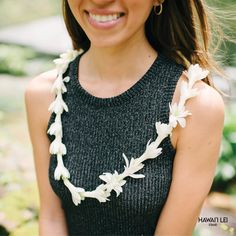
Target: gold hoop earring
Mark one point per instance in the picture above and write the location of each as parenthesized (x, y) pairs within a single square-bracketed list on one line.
[(160, 11)]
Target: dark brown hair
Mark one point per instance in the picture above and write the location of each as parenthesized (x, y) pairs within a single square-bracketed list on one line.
[(182, 32)]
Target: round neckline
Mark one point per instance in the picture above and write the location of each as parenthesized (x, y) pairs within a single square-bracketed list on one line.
[(132, 91)]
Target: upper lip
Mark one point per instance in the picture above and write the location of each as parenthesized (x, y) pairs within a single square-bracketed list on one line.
[(102, 12)]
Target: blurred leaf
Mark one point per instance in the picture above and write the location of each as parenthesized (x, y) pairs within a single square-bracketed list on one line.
[(13, 59), (30, 228), (19, 60)]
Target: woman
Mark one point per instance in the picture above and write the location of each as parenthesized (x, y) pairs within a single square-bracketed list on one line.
[(127, 98)]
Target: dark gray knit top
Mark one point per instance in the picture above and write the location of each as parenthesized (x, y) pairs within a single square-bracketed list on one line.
[(96, 131)]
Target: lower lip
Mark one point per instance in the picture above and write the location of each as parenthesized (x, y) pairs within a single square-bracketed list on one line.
[(103, 25)]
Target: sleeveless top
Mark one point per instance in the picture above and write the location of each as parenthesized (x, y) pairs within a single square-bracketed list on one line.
[(96, 131)]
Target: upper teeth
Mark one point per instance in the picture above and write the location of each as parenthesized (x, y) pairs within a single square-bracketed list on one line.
[(104, 18)]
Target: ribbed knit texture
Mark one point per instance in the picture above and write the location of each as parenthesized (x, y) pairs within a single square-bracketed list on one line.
[(96, 131)]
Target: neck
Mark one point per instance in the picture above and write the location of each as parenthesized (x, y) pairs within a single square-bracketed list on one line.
[(122, 62)]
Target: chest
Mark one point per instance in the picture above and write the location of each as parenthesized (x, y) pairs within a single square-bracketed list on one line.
[(106, 89)]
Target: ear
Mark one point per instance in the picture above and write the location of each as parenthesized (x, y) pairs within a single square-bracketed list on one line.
[(157, 2)]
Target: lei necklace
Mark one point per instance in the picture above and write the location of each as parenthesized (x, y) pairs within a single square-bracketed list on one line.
[(114, 181)]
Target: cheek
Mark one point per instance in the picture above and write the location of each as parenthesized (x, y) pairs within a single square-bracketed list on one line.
[(75, 5), (139, 5), (139, 9)]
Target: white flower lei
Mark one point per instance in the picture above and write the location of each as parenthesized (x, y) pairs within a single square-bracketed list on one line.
[(114, 181)]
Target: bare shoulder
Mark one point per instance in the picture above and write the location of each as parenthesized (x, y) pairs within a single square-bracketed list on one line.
[(208, 103), (42, 82), (208, 106), (38, 95), (207, 109), (207, 113)]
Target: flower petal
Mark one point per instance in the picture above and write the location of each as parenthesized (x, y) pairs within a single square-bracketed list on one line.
[(55, 129), (118, 190), (126, 160), (195, 73), (182, 122), (137, 176), (172, 121), (163, 130), (57, 147), (61, 171)]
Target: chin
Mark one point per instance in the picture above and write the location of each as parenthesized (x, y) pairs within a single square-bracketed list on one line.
[(105, 42)]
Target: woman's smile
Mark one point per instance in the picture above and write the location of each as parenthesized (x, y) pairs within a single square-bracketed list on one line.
[(104, 19)]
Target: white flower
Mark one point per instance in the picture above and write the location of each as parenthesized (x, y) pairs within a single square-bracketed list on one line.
[(177, 115), (61, 65), (61, 170), (113, 182), (70, 55), (58, 105), (64, 60), (55, 128), (101, 193), (152, 150), (57, 147), (76, 192), (195, 73), (132, 167), (163, 130), (59, 85), (186, 92)]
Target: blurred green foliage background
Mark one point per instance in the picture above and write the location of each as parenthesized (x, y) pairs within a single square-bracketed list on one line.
[(15, 12)]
